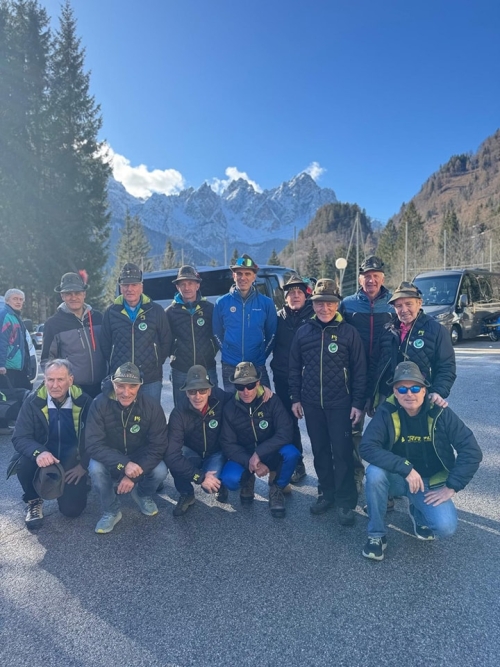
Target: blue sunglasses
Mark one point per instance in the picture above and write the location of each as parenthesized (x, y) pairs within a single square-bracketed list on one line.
[(414, 390)]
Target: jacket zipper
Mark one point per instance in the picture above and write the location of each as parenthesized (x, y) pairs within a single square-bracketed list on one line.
[(133, 342), (432, 439), (204, 440), (194, 342), (371, 328), (321, 369), (90, 354)]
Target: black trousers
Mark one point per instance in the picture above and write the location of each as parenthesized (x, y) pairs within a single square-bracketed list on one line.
[(282, 391), (74, 498), (331, 443), (19, 379)]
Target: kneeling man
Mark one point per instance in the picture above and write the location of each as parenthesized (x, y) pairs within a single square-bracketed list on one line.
[(410, 445), (49, 430), (126, 441), (255, 438), (193, 452)]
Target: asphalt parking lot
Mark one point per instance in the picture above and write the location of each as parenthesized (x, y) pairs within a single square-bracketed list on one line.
[(227, 586)]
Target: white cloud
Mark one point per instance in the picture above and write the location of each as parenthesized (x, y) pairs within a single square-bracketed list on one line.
[(140, 181), (218, 185), (315, 171)]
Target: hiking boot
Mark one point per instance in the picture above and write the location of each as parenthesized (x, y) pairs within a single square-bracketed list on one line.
[(183, 504), (375, 548), (247, 491), (34, 515), (107, 522), (145, 503), (321, 505), (346, 516), (422, 532), (276, 501), (299, 473), (272, 476), (222, 494)]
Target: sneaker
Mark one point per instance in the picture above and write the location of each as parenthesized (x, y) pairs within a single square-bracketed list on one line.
[(276, 501), (321, 506), (222, 494), (107, 522), (346, 516), (375, 548), (34, 515), (422, 532), (145, 503), (247, 491), (299, 473), (183, 504)]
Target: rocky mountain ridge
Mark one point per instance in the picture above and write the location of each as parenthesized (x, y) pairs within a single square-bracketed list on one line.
[(205, 225)]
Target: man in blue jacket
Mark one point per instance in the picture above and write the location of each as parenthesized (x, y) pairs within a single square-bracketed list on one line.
[(410, 445), (244, 323)]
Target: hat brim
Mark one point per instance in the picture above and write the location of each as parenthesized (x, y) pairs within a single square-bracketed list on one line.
[(421, 381), (243, 268), (48, 482), (130, 281), (325, 297), (70, 288), (178, 280), (363, 271), (244, 381), (403, 295), (123, 380), (197, 384)]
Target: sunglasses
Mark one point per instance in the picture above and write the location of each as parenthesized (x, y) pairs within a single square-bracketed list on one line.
[(244, 261), (414, 390), (193, 392), (242, 387)]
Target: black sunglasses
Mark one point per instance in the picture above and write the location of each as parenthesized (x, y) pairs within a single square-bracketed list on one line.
[(242, 387)]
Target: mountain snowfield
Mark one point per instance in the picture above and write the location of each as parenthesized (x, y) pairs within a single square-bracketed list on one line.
[(202, 222)]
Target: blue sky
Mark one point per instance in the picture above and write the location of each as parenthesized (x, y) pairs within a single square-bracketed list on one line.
[(375, 95)]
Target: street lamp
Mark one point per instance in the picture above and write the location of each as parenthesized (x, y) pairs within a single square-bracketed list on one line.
[(341, 264)]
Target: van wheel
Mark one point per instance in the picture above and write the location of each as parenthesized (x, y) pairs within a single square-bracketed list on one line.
[(494, 336), (456, 334)]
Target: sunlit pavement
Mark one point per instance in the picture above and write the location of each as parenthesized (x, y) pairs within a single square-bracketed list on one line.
[(230, 586)]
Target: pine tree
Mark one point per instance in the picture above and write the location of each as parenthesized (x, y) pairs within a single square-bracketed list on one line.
[(169, 256), (274, 260), (76, 218), (313, 262), (134, 247), (328, 269), (387, 245), (24, 50), (235, 256)]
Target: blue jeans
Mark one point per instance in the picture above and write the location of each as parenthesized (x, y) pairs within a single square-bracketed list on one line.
[(153, 389), (228, 371), (214, 463), (282, 462), (380, 484), (179, 378), (104, 484)]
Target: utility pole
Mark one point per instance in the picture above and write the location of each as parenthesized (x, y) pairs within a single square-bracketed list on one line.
[(491, 254), (225, 251)]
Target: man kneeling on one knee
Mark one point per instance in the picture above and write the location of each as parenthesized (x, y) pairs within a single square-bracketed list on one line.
[(410, 445), (255, 438), (126, 442), (193, 453)]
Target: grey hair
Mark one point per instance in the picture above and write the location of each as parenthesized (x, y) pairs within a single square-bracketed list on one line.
[(58, 363), (13, 292)]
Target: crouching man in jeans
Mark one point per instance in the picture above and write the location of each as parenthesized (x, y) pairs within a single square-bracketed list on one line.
[(126, 441), (255, 438), (193, 452), (410, 445)]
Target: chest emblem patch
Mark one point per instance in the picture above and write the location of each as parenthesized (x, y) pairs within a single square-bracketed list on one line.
[(333, 347), (200, 321), (263, 424), (418, 343), (233, 309), (143, 326), (213, 423), (135, 428)]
